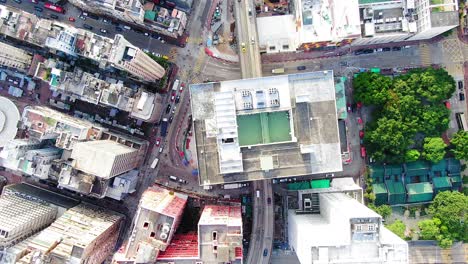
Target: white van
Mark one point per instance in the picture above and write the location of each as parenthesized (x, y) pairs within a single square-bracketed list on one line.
[(127, 27), (173, 178), (155, 163), (160, 149)]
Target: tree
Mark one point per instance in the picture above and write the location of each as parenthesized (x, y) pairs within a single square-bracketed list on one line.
[(434, 120), (398, 227), (434, 149), (412, 155), (451, 208), (429, 229), (460, 145), (384, 210), (386, 140), (371, 88)]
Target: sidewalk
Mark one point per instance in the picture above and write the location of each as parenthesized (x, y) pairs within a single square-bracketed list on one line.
[(215, 53)]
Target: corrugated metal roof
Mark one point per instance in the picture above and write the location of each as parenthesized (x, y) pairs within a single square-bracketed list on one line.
[(379, 188), (419, 192), (441, 183)]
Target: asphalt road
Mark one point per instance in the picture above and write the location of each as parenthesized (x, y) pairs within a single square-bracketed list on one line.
[(247, 40), (137, 39)]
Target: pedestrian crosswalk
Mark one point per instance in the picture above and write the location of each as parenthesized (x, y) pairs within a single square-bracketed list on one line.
[(425, 55)]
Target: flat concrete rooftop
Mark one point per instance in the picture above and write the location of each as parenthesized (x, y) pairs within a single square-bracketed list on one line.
[(315, 144)]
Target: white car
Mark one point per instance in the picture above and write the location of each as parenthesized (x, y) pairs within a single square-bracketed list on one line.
[(103, 31), (146, 34)]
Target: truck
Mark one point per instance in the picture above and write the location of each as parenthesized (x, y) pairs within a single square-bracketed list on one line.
[(164, 124), (277, 71), (234, 185), (175, 86)]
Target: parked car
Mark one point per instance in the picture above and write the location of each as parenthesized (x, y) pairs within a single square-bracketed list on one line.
[(462, 96), (82, 17), (301, 68), (18, 1), (396, 48), (168, 109), (181, 88), (88, 26), (174, 109), (361, 133), (161, 149), (105, 21), (71, 19), (182, 181), (103, 31), (158, 142), (54, 16), (173, 178), (269, 200), (118, 29), (146, 34), (363, 152), (348, 108), (171, 118), (38, 8), (460, 85), (177, 99), (265, 252), (173, 95), (386, 49)]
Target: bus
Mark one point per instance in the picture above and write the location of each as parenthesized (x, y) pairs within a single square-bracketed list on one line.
[(461, 121), (154, 163), (54, 8), (175, 86)]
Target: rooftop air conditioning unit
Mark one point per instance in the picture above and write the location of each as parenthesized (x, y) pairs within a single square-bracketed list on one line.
[(163, 236), (166, 228), (307, 204)]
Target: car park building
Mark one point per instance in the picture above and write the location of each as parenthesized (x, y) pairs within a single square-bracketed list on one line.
[(266, 128)]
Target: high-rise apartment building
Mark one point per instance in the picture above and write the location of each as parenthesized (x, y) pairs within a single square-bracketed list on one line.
[(104, 158), (130, 58), (83, 234), (158, 216), (22, 216), (14, 57)]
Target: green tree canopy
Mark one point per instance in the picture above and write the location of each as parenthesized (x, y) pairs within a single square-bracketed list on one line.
[(407, 105), (412, 155), (398, 227), (429, 228), (451, 208), (434, 149), (371, 88), (460, 145)]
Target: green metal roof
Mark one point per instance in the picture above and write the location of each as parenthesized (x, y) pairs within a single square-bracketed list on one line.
[(441, 183), (417, 168), (380, 191), (340, 98), (376, 70), (379, 188), (456, 177), (419, 192), (150, 15), (396, 192), (440, 166), (395, 187), (317, 184), (376, 171), (299, 185), (454, 166), (393, 170)]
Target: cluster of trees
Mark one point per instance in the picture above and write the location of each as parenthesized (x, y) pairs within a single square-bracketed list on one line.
[(408, 108), (449, 221)]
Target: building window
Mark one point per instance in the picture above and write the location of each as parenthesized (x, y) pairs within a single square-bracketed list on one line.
[(371, 227), (152, 234), (285, 47), (272, 47), (358, 228), (145, 225), (215, 235)]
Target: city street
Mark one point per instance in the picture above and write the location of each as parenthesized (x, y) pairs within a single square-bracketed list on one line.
[(137, 39)]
